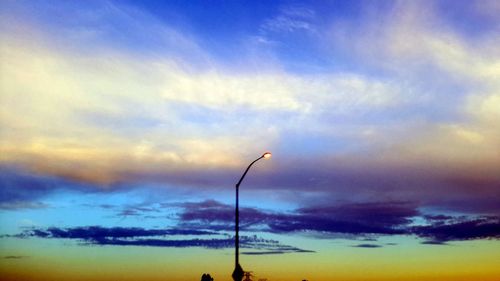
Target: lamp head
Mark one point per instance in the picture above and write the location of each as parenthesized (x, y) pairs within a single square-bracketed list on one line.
[(267, 155)]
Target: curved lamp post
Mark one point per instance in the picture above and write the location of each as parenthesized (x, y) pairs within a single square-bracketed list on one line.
[(238, 271)]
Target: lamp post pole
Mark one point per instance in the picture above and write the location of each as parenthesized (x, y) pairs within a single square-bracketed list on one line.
[(238, 271)]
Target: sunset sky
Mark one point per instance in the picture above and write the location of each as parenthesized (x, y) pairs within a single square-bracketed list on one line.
[(124, 126)]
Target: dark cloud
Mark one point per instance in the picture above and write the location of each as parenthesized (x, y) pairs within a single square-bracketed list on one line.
[(357, 220), (263, 253), (431, 242), (15, 257), (279, 252), (130, 236), (324, 179), (367, 246), (461, 229), (305, 223), (387, 214), (16, 205), (216, 215), (365, 218), (212, 218), (22, 189), (268, 246), (98, 233), (352, 221), (177, 243), (369, 218), (437, 217), (208, 211), (354, 180), (135, 236)]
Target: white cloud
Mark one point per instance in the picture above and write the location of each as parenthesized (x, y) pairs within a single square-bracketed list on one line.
[(291, 19), (448, 81), (81, 115), (77, 113)]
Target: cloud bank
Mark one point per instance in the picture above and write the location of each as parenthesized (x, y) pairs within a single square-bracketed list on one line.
[(209, 224), (136, 236)]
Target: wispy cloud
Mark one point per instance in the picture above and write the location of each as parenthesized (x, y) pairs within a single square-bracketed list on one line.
[(280, 251), (369, 246), (97, 233), (433, 242), (136, 236), (291, 19), (15, 257)]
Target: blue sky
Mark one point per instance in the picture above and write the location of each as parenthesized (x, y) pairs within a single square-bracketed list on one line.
[(384, 115)]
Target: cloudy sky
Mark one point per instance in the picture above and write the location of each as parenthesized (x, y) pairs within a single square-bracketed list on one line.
[(124, 126)]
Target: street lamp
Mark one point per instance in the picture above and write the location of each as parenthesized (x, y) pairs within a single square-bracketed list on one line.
[(238, 271)]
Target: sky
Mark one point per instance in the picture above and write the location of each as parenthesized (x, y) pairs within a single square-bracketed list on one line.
[(125, 125)]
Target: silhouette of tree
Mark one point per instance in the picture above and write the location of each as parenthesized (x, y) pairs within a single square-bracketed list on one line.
[(206, 277)]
